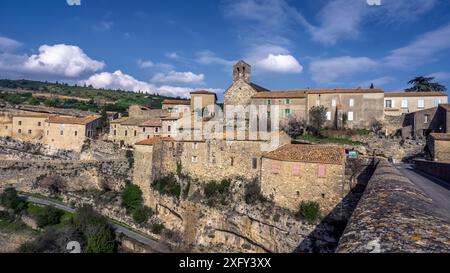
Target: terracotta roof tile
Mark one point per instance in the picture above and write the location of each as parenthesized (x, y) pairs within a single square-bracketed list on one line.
[(414, 94), (153, 141), (154, 122), (73, 120), (440, 136), (326, 154), (120, 120), (203, 92), (177, 102), (280, 94)]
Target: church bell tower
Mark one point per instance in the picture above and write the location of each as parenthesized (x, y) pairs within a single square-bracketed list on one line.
[(241, 70)]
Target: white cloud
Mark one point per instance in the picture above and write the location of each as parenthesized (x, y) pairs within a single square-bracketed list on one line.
[(173, 55), (378, 82), (145, 64), (120, 80), (209, 58), (179, 77), (73, 2), (280, 64), (7, 44), (440, 76), (65, 60), (422, 50), (103, 26), (329, 70)]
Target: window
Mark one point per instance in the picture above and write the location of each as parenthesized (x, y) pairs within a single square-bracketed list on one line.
[(351, 102), (295, 170), (135, 133), (29, 132), (426, 118), (328, 115), (437, 102), (232, 161), (61, 132), (317, 102), (268, 114), (20, 122), (115, 132), (404, 103), (194, 158), (126, 132), (19, 131), (288, 101), (76, 133), (269, 102), (156, 130), (421, 103), (148, 136), (48, 132), (287, 112), (275, 168), (39, 123), (333, 102), (254, 163), (195, 145), (169, 128), (143, 130), (388, 103), (322, 171), (350, 116)]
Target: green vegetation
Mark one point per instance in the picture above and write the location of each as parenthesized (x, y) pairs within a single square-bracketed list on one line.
[(363, 132), (132, 201), (11, 200), (217, 192), (157, 228), (167, 185), (11, 223), (130, 157), (425, 84), (318, 117), (330, 140), (46, 216), (113, 100), (309, 211)]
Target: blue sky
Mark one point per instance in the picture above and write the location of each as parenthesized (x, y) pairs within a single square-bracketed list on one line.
[(173, 47)]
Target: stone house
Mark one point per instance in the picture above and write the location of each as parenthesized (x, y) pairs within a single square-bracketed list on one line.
[(432, 120), (439, 146), (176, 106), (295, 173), (70, 133), (5, 127), (203, 99), (29, 126), (128, 130), (398, 103)]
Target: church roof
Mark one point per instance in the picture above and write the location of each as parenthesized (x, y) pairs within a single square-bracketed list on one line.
[(259, 88)]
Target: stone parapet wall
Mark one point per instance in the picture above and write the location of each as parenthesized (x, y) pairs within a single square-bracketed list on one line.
[(438, 169), (394, 215)]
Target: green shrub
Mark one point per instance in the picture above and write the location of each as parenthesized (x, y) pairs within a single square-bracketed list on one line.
[(217, 192), (363, 132), (131, 197), (11, 200), (141, 214), (167, 185), (157, 228), (101, 242), (48, 216), (309, 210)]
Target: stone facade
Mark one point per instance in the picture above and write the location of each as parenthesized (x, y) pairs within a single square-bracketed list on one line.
[(439, 146), (318, 175), (397, 103)]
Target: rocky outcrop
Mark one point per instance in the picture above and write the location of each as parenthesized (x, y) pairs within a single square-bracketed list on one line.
[(394, 215)]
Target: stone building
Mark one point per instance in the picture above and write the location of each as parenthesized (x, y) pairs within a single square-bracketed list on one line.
[(176, 106), (128, 130), (61, 132), (295, 173), (432, 120), (203, 99), (439, 146), (398, 103)]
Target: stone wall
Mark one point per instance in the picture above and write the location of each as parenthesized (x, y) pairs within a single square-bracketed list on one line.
[(437, 169), (28, 175), (288, 190), (394, 215), (239, 93)]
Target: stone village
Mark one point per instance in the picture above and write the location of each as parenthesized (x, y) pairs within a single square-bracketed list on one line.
[(171, 142)]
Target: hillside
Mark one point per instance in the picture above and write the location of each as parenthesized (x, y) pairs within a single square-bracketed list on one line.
[(62, 95)]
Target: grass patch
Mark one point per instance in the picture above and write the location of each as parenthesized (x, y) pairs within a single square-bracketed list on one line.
[(330, 140)]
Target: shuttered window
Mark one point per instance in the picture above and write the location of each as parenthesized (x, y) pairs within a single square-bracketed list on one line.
[(322, 171), (296, 170)]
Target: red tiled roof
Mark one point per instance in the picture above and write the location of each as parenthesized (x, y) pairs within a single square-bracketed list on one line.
[(303, 93), (326, 154), (414, 94), (154, 140), (73, 120)]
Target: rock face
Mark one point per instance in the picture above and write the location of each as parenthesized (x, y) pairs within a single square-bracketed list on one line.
[(11, 149), (394, 216)]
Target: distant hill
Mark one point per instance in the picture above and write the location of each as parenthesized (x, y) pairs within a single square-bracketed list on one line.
[(62, 95)]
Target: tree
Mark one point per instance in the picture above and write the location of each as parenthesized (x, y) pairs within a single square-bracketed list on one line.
[(131, 197), (104, 117), (294, 127), (371, 86), (101, 242), (10, 199), (425, 84), (49, 216), (317, 118)]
